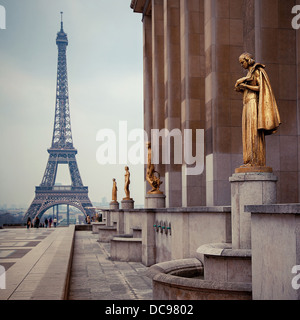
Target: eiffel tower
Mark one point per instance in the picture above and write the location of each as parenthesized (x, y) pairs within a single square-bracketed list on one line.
[(48, 195)]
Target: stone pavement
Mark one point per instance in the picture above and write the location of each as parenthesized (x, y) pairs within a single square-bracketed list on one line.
[(95, 277), (37, 263), (38, 266), (16, 243)]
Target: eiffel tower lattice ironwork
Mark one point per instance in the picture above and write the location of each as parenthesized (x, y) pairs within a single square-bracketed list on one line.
[(48, 195)]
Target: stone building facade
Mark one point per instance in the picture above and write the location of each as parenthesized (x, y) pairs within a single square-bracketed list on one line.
[(191, 51)]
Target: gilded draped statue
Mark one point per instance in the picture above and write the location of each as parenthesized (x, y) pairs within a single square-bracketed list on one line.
[(260, 114), (114, 191), (127, 183), (152, 176)]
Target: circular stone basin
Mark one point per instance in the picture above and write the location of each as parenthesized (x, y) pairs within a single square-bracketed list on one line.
[(183, 280), (190, 273)]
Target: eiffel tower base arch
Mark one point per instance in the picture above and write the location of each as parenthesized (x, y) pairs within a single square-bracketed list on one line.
[(45, 199)]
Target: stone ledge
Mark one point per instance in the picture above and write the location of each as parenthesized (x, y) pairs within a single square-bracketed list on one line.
[(174, 266), (223, 250), (274, 209), (201, 209), (126, 239), (253, 176)]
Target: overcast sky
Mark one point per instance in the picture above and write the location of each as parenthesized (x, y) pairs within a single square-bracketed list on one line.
[(105, 75)]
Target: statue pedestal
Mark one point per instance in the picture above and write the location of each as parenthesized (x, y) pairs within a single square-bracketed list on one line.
[(257, 169), (249, 188), (155, 201), (114, 205), (127, 203)]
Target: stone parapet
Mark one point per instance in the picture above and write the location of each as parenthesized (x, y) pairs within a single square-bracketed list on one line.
[(275, 251)]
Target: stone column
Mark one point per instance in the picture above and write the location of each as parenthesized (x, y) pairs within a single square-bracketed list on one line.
[(224, 43), (173, 182), (276, 47), (252, 188), (192, 92), (148, 238), (120, 222), (158, 72), (148, 89)]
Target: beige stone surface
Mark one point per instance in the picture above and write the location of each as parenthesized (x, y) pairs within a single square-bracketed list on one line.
[(43, 273), (249, 189), (275, 242)]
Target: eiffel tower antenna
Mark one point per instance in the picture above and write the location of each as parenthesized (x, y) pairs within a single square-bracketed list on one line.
[(62, 22), (62, 151)]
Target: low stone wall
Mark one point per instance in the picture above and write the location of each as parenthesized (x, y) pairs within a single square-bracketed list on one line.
[(83, 227), (275, 251), (170, 233), (180, 231), (224, 264), (96, 225), (126, 249), (106, 233)]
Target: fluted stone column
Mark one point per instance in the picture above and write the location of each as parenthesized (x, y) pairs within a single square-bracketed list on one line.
[(158, 82), (192, 91), (173, 179), (223, 45), (148, 89)]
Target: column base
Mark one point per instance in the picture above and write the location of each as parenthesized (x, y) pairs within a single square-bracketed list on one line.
[(114, 205), (127, 203), (155, 201)]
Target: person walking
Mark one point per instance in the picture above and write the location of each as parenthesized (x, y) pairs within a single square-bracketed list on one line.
[(46, 223), (54, 222), (28, 223), (37, 222), (88, 219), (50, 222)]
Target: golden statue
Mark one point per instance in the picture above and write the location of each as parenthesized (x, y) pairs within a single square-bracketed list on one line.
[(114, 191), (260, 114), (152, 179), (127, 183)]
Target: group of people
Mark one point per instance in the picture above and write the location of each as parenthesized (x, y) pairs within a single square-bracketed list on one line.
[(38, 224), (96, 218)]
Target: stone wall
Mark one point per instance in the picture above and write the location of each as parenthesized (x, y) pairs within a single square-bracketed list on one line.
[(275, 251), (173, 233)]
